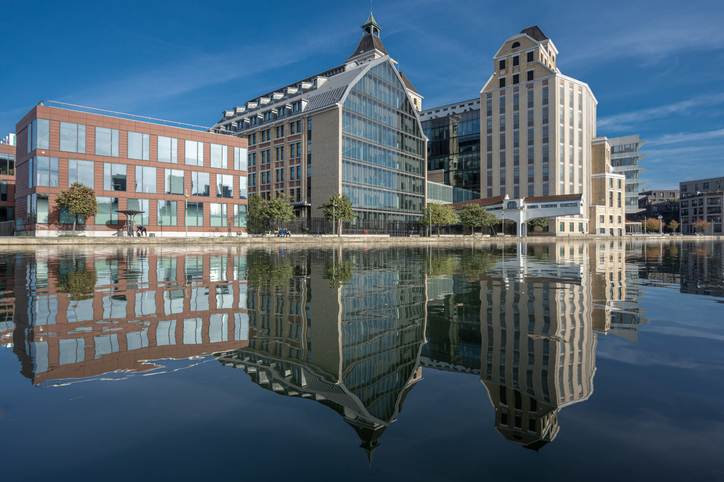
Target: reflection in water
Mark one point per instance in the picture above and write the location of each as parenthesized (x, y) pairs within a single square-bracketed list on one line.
[(350, 329)]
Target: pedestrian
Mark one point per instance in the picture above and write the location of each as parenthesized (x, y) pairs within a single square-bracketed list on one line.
[(140, 230)]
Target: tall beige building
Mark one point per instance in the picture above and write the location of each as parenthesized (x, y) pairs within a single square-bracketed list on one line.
[(536, 127)]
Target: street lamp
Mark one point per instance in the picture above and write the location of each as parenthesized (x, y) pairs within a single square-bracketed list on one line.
[(661, 224), (334, 215)]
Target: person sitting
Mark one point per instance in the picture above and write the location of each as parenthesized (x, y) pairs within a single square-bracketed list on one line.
[(287, 233)]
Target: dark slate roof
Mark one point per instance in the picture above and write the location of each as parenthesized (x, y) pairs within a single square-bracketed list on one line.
[(367, 44), (486, 201), (408, 84), (535, 32), (559, 197)]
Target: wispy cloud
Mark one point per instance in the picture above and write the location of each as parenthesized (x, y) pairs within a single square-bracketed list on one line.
[(631, 120), (684, 137)]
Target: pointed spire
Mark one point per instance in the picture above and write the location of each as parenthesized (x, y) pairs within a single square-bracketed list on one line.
[(370, 46)]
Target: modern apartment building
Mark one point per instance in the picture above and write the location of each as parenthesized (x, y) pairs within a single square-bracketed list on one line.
[(537, 125), (7, 182), (701, 199), (354, 129), (181, 178), (453, 147), (625, 159), (607, 213), (659, 202)]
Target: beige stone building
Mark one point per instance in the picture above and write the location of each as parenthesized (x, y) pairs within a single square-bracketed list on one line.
[(537, 126), (607, 206)]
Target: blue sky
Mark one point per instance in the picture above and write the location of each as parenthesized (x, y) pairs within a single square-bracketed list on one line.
[(656, 67)]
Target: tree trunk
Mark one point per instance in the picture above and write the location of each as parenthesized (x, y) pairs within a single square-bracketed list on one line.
[(75, 220)]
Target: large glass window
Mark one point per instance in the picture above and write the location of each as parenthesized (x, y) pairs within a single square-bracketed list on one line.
[(72, 137), (82, 172), (167, 149), (219, 156), (145, 179), (194, 214), (141, 205), (241, 158), (40, 208), (174, 181), (45, 171), (39, 134), (66, 217), (167, 213), (138, 146), (200, 184), (106, 142), (218, 214), (225, 185), (243, 187), (114, 177), (240, 215), (7, 164), (107, 210), (194, 153)]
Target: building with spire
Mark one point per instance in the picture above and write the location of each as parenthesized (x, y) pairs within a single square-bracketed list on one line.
[(353, 129)]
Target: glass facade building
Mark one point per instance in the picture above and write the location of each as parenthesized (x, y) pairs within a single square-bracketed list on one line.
[(625, 159)]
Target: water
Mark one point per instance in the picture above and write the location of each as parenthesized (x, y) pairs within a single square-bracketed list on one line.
[(555, 361)]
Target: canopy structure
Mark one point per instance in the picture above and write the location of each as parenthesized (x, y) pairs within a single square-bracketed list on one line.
[(130, 213)]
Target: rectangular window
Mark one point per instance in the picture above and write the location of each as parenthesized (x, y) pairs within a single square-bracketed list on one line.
[(563, 227), (167, 213), (39, 134), (194, 214), (45, 172), (241, 159), (72, 137), (144, 218), (516, 79), (218, 215), (501, 64), (529, 57), (139, 146), (66, 217), (107, 210), (82, 172), (145, 179), (114, 177), (240, 215), (225, 186), (167, 150), (40, 208), (173, 181), (194, 153), (501, 82), (529, 75), (219, 156), (200, 184), (243, 187), (106, 142), (516, 61)]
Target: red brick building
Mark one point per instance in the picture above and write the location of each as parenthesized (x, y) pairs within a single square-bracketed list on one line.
[(7, 182), (184, 178)]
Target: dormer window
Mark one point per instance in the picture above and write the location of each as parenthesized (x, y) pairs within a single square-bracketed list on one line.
[(516, 45)]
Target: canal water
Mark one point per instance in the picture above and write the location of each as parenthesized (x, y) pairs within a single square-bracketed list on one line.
[(562, 361)]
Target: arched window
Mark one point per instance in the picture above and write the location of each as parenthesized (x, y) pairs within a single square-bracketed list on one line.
[(516, 45), (512, 205)]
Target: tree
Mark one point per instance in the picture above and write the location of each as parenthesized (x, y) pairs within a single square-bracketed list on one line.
[(79, 200), (279, 209), (78, 284), (673, 225), (701, 225), (257, 219), (338, 208), (651, 224), (476, 216), (439, 214), (262, 211), (537, 222)]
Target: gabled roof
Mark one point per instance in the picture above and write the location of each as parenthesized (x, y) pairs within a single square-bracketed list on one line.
[(368, 43), (486, 201), (534, 32), (407, 83)]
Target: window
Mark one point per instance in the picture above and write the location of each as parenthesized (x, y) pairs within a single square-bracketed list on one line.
[(516, 79), (145, 179), (240, 215), (516, 60), (280, 153), (225, 185), (114, 177), (529, 75), (243, 188), (194, 214), (39, 135), (82, 172), (40, 208), (200, 184), (570, 227), (66, 217), (107, 210), (241, 159), (106, 142), (501, 82), (218, 214), (219, 156), (173, 181), (138, 146), (501, 64), (44, 171), (167, 150), (563, 227), (530, 57), (141, 205), (194, 153), (72, 137), (167, 213)]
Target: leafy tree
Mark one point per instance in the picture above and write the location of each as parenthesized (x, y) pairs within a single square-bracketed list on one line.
[(279, 209), (438, 214), (257, 219), (261, 211), (701, 225), (537, 222), (652, 224), (673, 225), (79, 200), (338, 208), (476, 216)]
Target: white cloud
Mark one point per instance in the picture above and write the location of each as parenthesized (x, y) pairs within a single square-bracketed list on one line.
[(632, 120)]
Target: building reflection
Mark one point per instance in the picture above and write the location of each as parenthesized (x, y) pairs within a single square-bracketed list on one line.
[(84, 314), (344, 330)]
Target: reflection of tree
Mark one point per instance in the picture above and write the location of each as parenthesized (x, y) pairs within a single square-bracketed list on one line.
[(443, 265), (269, 269), (338, 273), (477, 262), (78, 284)]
